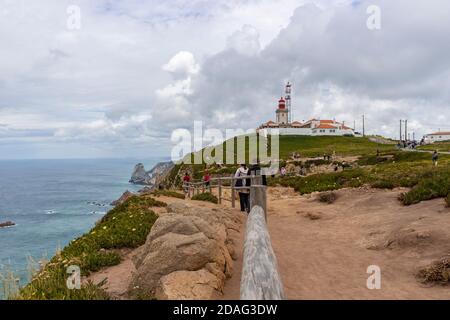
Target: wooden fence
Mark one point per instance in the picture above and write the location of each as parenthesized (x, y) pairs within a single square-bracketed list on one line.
[(260, 278)]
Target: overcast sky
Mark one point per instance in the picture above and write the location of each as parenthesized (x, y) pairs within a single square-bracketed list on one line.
[(136, 70)]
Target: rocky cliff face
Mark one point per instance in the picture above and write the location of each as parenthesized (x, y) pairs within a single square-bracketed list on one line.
[(188, 254), (152, 177)]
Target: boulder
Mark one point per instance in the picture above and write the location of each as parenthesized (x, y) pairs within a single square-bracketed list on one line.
[(139, 175), (173, 252), (188, 285), (7, 224), (187, 239)]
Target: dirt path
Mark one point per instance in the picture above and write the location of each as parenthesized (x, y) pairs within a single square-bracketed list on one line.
[(324, 250)]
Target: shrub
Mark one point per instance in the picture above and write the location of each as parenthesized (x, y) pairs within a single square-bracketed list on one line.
[(125, 226), (328, 197), (447, 200), (383, 184), (435, 185), (438, 272), (206, 197)]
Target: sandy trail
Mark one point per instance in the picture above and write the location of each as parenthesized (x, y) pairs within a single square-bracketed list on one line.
[(327, 258)]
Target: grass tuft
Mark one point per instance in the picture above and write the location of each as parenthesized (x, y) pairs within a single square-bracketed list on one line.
[(438, 272), (206, 197), (328, 197)]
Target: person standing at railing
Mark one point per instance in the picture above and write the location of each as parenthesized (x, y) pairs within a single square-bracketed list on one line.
[(207, 180), (186, 181), (255, 170), (244, 194)]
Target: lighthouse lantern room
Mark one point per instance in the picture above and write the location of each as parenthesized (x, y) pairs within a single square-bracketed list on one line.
[(282, 112)]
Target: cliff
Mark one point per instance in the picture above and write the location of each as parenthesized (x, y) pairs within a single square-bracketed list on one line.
[(153, 177)]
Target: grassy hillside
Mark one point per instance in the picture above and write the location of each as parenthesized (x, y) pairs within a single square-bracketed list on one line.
[(309, 146), (439, 146), (317, 146)]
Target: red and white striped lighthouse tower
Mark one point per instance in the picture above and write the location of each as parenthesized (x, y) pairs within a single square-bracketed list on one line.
[(282, 112)]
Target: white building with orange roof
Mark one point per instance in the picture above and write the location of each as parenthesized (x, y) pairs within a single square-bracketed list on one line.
[(436, 137), (313, 127)]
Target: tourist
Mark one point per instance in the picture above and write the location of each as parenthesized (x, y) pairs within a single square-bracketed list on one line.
[(255, 170), (435, 158), (283, 171), (244, 194), (207, 180), (186, 181)]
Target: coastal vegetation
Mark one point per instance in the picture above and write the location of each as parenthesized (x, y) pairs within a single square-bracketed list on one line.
[(125, 226), (209, 197), (443, 146), (388, 170), (438, 272)]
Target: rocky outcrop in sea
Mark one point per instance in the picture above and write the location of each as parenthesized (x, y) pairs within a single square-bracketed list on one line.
[(7, 224), (153, 177)]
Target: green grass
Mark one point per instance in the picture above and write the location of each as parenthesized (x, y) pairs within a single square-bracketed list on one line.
[(432, 185), (309, 146), (443, 146), (125, 226), (206, 197), (402, 169)]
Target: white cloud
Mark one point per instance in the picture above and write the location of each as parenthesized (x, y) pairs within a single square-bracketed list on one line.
[(139, 69), (182, 63)]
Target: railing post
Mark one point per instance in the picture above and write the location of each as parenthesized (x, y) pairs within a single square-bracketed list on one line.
[(233, 195), (219, 184)]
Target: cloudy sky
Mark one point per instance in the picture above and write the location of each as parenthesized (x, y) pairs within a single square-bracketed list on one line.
[(136, 70)]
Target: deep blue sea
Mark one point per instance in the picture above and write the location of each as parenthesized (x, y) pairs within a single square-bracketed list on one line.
[(53, 202)]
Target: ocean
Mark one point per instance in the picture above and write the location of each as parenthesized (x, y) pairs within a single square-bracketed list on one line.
[(53, 202)]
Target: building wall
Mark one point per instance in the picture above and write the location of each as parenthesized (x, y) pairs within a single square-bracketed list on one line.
[(430, 138), (304, 132), (282, 117)]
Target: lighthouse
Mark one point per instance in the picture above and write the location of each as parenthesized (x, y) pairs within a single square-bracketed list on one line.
[(282, 113)]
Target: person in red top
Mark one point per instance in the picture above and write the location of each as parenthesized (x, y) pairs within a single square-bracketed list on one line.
[(207, 180), (186, 180)]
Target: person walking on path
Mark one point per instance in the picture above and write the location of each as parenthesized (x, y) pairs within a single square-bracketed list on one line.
[(244, 194), (435, 158)]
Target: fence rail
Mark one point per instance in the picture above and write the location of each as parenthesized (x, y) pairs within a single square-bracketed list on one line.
[(260, 278)]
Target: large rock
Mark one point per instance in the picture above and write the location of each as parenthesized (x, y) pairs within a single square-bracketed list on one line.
[(154, 177), (185, 240), (7, 224), (188, 285), (139, 175)]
